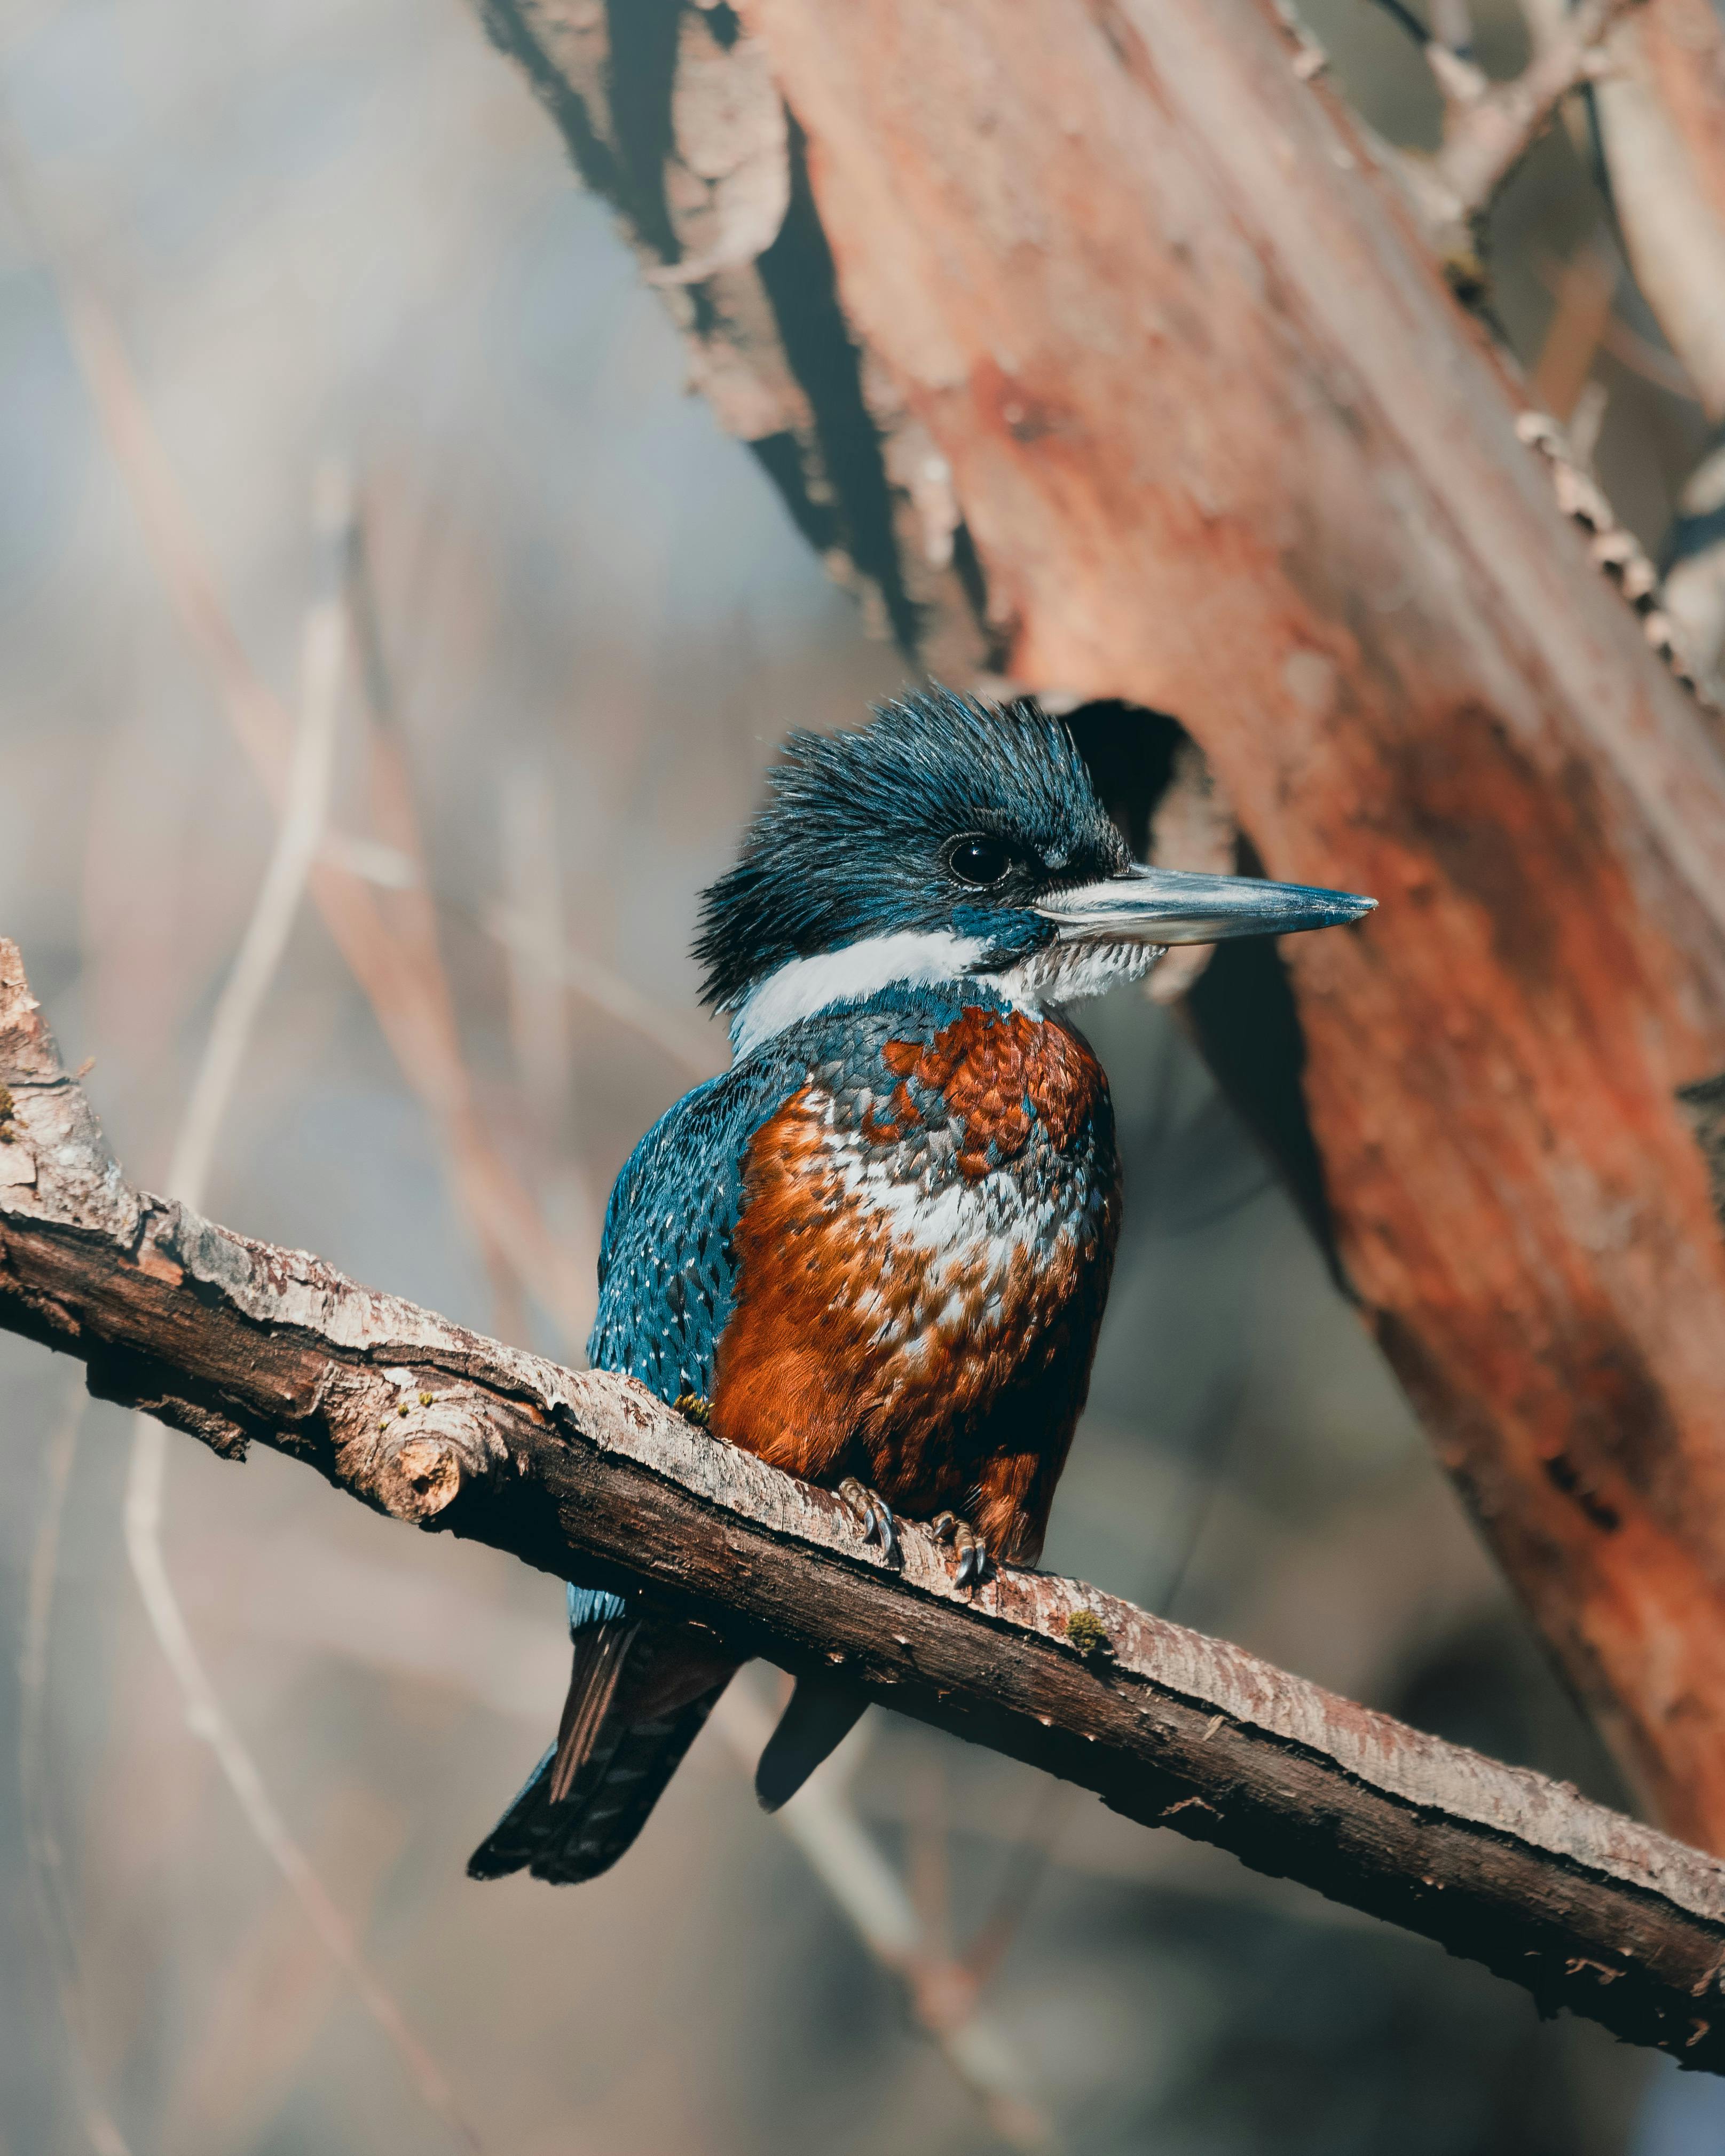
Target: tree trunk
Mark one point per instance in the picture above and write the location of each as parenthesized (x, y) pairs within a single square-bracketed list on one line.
[(1226, 446), (1145, 388)]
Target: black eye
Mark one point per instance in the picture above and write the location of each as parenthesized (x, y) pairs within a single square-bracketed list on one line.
[(979, 861)]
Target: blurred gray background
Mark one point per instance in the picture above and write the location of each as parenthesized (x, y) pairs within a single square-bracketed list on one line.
[(316, 230)]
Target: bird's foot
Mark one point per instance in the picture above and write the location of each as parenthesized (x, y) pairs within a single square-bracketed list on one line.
[(872, 1509), (967, 1546), (693, 1409)]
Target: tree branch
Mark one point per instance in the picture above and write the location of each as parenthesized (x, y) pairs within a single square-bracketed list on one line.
[(232, 1340), (1661, 119), (1660, 97), (1492, 126)]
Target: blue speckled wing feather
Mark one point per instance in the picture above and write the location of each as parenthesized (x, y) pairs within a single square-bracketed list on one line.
[(666, 1267), (666, 1288), (640, 1690), (666, 1271)]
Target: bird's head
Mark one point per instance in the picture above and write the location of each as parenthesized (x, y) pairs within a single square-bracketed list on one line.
[(950, 841)]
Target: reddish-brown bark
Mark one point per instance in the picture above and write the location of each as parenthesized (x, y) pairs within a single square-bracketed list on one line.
[(1226, 446)]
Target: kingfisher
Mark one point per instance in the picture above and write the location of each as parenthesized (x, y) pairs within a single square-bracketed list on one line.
[(875, 1250)]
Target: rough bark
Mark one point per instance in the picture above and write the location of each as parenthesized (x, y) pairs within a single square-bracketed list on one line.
[(1219, 442), (669, 113), (233, 1341)]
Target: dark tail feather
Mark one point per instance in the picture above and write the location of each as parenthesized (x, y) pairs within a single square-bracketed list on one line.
[(637, 1697), (821, 1715), (600, 1654)]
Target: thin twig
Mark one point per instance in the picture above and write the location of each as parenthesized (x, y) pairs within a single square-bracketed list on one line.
[(538, 1003), (42, 1846), (241, 1001), (1218, 1423), (1452, 27), (1668, 220), (596, 982), (929, 1868), (1626, 346), (848, 1860), (504, 1221), (1587, 422), (1027, 1862), (538, 1024), (403, 849), (395, 871), (305, 812), (538, 1009), (206, 1718), (1491, 127), (400, 976), (1584, 287), (1630, 349), (1407, 22)]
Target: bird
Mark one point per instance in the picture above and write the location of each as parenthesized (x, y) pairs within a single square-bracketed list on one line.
[(875, 1250)]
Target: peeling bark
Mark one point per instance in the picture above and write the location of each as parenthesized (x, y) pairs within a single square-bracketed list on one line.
[(234, 1341), (669, 115)]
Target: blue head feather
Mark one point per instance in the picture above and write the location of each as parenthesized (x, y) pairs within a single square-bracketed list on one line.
[(858, 837)]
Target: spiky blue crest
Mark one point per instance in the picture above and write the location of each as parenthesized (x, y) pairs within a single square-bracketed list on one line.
[(858, 829)]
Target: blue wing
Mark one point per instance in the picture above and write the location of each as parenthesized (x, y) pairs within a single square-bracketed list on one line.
[(667, 1283), (667, 1275), (666, 1270), (665, 1291)]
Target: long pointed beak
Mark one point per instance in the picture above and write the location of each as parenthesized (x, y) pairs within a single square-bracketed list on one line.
[(1170, 906)]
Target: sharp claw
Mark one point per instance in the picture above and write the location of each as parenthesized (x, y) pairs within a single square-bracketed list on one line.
[(943, 1526), (873, 1514), (972, 1563)]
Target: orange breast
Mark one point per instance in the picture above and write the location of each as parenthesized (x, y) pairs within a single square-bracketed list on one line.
[(920, 1274)]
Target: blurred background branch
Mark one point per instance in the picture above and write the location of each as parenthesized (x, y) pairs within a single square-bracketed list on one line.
[(398, 965), (1658, 105), (305, 815), (42, 1835)]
